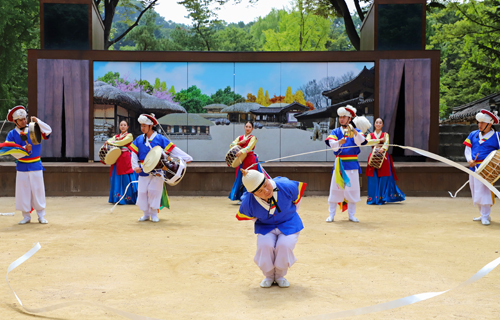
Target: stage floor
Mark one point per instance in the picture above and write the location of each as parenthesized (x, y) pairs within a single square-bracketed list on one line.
[(197, 262), (426, 179)]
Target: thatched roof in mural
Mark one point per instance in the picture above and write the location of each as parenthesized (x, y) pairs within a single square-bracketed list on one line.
[(215, 107), (152, 104), (242, 107), (277, 105), (188, 119), (107, 94), (468, 111)]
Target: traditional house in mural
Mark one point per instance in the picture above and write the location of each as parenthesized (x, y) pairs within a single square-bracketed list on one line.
[(184, 125), (214, 108), (279, 114), (111, 105), (357, 92), (214, 114), (241, 112)]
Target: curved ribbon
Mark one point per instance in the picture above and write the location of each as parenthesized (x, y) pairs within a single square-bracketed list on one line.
[(403, 301), (124, 194), (28, 255)]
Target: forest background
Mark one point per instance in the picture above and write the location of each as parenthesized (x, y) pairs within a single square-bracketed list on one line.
[(466, 32)]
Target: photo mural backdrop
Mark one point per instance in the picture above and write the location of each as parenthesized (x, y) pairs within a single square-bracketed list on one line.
[(202, 106)]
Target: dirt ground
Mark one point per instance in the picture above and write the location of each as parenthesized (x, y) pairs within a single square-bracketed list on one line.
[(197, 262)]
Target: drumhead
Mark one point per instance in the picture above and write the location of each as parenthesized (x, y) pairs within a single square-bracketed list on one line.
[(181, 170), (486, 161), (112, 156), (35, 133), (152, 159)]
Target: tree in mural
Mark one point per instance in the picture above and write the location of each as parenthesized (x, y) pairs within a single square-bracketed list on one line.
[(193, 100), (266, 97), (299, 97), (260, 97), (159, 89), (289, 95), (226, 96), (251, 98), (277, 99)]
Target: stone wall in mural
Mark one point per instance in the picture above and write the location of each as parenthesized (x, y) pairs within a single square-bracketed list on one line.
[(202, 106)]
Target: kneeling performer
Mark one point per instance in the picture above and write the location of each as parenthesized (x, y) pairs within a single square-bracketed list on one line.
[(273, 205), (150, 187)]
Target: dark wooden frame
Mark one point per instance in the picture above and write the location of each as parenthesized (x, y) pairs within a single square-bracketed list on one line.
[(372, 29), (181, 56)]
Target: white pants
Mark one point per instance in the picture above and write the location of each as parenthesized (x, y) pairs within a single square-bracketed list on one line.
[(481, 196), (149, 194), (275, 253), (351, 194), (30, 192)]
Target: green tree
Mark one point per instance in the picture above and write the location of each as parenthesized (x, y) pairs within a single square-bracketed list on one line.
[(144, 35), (108, 10), (270, 22), (205, 22), (226, 96), (466, 37), (299, 30), (110, 77), (193, 100), (235, 39), (18, 31)]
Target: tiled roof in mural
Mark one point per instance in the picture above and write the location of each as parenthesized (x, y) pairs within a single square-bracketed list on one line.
[(242, 107), (188, 119)]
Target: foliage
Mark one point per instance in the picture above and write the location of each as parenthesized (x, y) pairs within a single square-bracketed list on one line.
[(261, 99), (299, 97), (226, 96), (289, 98), (468, 36), (277, 99), (193, 100), (18, 31), (108, 9), (235, 39), (298, 31), (251, 98)]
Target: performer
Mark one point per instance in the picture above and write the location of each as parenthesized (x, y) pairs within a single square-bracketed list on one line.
[(344, 186), (121, 172), (150, 187), (382, 186), (273, 205), (30, 188), (478, 145), (247, 142)]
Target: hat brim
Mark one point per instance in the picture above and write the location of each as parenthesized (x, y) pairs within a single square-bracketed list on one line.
[(492, 115), (10, 115)]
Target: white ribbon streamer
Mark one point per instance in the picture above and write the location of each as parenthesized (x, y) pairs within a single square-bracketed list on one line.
[(28, 255), (7, 214), (421, 152), (125, 193), (403, 301)]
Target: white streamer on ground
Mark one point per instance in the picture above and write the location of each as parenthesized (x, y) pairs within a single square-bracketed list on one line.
[(124, 194), (336, 315)]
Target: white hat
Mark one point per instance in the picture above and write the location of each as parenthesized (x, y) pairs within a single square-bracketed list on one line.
[(348, 111), (486, 116), (148, 119), (253, 180), (16, 113)]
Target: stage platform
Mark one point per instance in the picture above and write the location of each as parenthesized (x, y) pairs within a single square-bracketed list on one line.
[(420, 179)]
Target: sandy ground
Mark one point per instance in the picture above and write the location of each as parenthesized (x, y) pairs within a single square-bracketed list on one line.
[(197, 262)]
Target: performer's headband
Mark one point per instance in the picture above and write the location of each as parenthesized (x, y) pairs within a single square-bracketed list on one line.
[(147, 119), (347, 111), (487, 116)]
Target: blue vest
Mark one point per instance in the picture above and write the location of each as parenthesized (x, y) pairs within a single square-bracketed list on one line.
[(31, 162)]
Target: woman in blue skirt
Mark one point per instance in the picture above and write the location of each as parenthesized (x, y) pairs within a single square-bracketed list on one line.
[(382, 186)]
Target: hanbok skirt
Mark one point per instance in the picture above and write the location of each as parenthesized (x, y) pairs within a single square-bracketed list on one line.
[(118, 185), (238, 187), (383, 189)]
